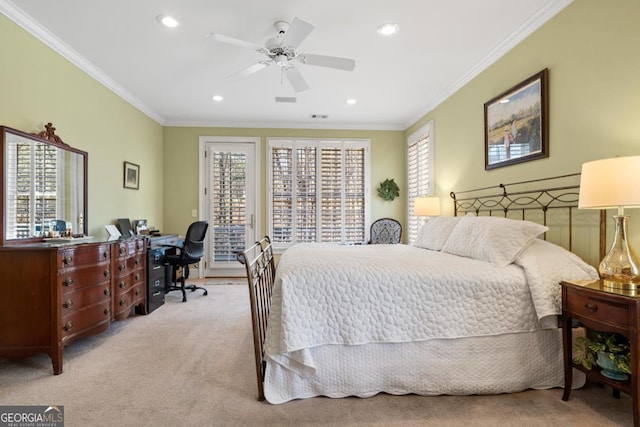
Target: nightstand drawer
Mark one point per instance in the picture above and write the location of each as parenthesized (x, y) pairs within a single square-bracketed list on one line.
[(591, 306)]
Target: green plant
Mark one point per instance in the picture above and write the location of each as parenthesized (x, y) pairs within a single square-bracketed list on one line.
[(388, 189), (616, 346)]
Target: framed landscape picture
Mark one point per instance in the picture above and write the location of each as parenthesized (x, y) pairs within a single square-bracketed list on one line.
[(131, 176), (516, 124)]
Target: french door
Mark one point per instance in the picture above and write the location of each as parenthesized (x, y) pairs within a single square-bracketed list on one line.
[(230, 200)]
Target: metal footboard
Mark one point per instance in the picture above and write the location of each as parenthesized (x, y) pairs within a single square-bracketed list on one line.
[(261, 270)]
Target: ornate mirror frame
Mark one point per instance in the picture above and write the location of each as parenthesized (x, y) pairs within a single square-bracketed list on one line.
[(12, 181)]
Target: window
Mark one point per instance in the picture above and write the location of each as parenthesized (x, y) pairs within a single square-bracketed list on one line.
[(419, 174), (318, 191)]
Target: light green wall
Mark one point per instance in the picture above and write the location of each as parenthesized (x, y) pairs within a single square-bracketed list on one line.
[(40, 86), (181, 167), (591, 51)]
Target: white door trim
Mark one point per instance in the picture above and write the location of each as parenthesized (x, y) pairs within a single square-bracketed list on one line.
[(202, 178)]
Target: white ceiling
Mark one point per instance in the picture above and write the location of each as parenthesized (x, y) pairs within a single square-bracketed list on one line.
[(171, 74)]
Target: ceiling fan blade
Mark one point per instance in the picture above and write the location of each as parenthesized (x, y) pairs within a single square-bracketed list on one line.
[(297, 32), (295, 78), (237, 42), (250, 69), (327, 61)]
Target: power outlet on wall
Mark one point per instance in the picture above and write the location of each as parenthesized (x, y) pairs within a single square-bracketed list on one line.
[(194, 213)]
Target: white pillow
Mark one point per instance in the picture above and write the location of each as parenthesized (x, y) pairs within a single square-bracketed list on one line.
[(491, 239), (435, 232)]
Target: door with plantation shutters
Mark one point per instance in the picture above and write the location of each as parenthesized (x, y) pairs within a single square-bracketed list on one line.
[(231, 204)]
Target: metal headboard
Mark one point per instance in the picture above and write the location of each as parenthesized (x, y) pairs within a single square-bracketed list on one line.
[(524, 196)]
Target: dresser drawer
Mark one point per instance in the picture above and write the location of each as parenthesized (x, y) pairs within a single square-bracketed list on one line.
[(124, 300), (126, 266), (591, 306), (79, 321), (127, 248), (83, 255), (78, 278), (74, 301)]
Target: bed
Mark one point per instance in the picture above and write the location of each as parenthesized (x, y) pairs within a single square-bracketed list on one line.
[(470, 308)]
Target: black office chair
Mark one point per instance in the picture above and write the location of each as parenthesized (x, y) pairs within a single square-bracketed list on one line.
[(182, 256), (385, 231)]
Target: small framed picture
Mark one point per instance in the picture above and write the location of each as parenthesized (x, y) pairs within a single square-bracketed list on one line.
[(516, 124), (131, 175)]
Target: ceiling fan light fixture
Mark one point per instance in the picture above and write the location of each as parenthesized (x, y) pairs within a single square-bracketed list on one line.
[(281, 60), (167, 21), (388, 29)]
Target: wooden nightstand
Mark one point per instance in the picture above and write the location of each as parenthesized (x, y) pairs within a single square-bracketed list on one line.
[(601, 308)]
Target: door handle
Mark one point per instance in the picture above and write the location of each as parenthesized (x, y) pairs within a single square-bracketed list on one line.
[(251, 221)]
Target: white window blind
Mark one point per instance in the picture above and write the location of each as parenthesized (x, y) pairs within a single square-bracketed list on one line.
[(419, 173), (327, 200)]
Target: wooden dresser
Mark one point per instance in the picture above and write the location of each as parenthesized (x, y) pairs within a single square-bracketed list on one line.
[(52, 295)]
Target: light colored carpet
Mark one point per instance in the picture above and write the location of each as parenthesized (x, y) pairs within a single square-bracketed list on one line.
[(191, 364)]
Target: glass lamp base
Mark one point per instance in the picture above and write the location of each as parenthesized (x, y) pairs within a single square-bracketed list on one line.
[(620, 268)]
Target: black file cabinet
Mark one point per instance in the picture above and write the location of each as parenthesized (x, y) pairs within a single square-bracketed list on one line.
[(158, 271), (158, 274)]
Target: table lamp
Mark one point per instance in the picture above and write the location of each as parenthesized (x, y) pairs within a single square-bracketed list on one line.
[(607, 184), (426, 206)]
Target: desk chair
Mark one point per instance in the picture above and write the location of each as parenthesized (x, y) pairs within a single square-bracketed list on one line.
[(182, 256), (385, 231)]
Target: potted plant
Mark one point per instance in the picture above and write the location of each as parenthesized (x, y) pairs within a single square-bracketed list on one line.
[(608, 350)]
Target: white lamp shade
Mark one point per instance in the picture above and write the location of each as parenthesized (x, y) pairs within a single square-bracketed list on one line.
[(610, 183), (426, 206)]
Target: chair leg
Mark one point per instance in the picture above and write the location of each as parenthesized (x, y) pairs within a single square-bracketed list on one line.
[(182, 288)]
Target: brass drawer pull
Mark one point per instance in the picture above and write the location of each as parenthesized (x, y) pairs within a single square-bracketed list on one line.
[(107, 311), (105, 254), (137, 277), (68, 326), (107, 291), (137, 291), (591, 307), (68, 303), (122, 285), (123, 302), (107, 273), (68, 259), (68, 281), (122, 267), (122, 250)]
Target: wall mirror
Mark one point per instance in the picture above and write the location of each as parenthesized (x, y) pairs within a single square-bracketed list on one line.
[(44, 188)]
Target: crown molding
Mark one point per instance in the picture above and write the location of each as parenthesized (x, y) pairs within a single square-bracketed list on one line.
[(18, 16), (525, 30)]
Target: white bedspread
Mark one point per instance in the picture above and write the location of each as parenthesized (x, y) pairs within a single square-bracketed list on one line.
[(354, 295)]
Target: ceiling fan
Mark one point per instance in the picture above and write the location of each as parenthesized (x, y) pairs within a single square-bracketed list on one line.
[(282, 50)]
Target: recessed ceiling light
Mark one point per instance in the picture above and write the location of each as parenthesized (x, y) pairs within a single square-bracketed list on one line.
[(351, 101), (217, 98), (388, 29), (167, 21)]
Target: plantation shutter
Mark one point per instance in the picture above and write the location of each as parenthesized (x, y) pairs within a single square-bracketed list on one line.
[(35, 163), (229, 210), (326, 202), (418, 180)]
